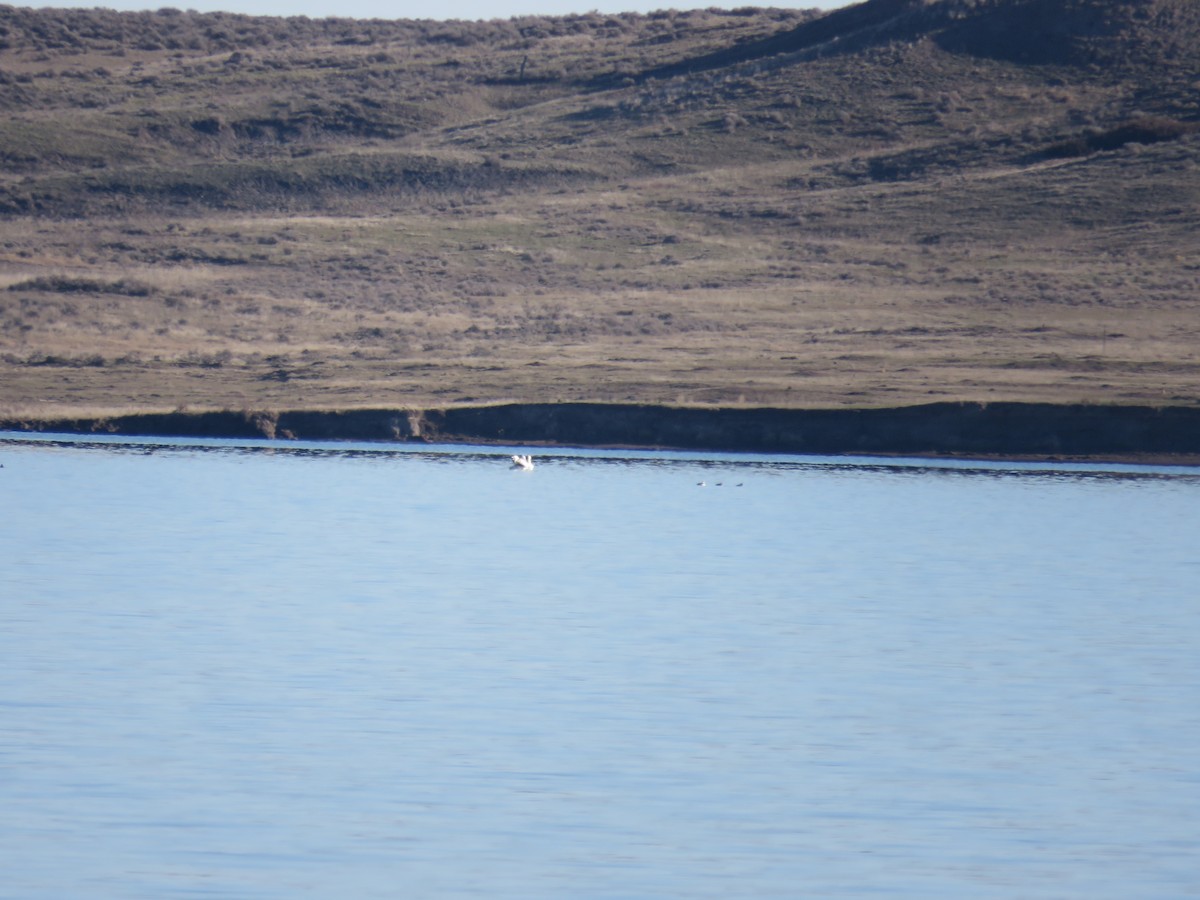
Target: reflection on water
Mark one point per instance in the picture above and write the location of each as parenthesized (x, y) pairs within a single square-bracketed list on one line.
[(454, 454), (360, 670)]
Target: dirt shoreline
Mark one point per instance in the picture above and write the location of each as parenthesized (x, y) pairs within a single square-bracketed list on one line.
[(1138, 434)]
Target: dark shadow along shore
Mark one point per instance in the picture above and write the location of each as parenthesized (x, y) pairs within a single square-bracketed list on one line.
[(1014, 430)]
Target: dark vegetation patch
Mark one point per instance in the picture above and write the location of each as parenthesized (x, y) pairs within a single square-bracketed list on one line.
[(328, 182), (63, 284), (1147, 130)]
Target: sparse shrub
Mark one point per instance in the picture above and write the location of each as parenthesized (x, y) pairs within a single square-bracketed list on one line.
[(206, 360), (731, 122)]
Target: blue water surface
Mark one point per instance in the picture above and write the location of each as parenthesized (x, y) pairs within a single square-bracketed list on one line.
[(332, 670)]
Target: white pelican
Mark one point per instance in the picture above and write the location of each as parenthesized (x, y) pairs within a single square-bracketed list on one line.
[(523, 462)]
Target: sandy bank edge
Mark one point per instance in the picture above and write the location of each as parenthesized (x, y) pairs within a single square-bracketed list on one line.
[(1014, 430)]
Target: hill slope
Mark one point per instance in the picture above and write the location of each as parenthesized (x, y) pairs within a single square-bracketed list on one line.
[(896, 202)]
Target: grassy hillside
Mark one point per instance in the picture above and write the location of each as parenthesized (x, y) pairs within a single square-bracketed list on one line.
[(897, 202)]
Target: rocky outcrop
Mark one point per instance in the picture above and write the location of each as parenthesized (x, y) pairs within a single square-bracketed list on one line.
[(967, 429)]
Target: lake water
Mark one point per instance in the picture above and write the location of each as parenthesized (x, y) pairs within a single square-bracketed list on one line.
[(261, 670)]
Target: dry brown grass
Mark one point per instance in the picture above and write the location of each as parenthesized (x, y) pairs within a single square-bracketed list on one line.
[(882, 227)]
